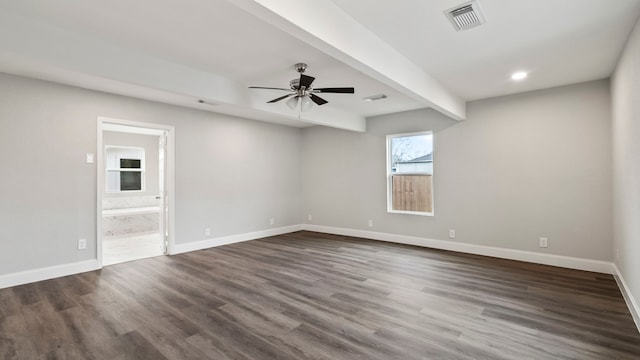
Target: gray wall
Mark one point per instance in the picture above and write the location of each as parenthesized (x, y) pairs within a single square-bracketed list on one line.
[(625, 89), (520, 167), (232, 174), (151, 162)]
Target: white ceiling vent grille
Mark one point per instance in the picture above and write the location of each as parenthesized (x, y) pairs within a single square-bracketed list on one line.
[(465, 16)]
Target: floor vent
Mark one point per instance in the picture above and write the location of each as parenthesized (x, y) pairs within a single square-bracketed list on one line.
[(465, 16)]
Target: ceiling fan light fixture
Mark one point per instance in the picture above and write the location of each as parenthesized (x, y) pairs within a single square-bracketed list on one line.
[(306, 103), (293, 102)]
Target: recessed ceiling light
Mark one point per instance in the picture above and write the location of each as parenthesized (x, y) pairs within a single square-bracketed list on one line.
[(206, 102), (520, 75), (375, 97)]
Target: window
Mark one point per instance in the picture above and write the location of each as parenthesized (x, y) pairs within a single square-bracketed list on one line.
[(125, 169), (410, 173)]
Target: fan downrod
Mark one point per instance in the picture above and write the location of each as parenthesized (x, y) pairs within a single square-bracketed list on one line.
[(295, 83)]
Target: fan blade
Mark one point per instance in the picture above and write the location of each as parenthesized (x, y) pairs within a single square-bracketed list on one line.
[(306, 81), (317, 99), (340, 90), (280, 98), (268, 88)]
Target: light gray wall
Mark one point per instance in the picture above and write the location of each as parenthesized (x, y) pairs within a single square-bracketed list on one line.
[(151, 162), (520, 167), (523, 166), (625, 89), (232, 174)]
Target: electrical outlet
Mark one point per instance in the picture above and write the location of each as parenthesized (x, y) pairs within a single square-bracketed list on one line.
[(370, 223), (207, 231), (82, 244), (310, 217), (272, 221), (452, 234), (543, 242)]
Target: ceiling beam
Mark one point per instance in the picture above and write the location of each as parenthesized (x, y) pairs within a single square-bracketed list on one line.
[(323, 25)]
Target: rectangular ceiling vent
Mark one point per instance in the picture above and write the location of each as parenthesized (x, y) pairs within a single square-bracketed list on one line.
[(465, 16)]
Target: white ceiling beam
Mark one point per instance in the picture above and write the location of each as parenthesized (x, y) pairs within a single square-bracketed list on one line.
[(323, 25)]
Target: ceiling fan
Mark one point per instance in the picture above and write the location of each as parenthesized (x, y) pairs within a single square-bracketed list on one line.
[(302, 92)]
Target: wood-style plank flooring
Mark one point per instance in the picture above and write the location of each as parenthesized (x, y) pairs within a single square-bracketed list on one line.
[(315, 296)]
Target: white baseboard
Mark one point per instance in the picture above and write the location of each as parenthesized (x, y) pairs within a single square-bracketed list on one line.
[(231, 239), (634, 309), (527, 256), (29, 276)]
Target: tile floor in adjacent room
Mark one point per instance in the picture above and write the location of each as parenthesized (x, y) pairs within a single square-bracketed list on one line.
[(123, 248)]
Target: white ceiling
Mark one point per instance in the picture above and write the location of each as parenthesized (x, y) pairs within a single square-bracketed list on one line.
[(179, 52), (558, 41)]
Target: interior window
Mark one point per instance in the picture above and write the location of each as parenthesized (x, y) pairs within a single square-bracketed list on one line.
[(125, 169)]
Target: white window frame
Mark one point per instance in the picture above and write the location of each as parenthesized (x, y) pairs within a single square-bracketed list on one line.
[(119, 170), (390, 174)]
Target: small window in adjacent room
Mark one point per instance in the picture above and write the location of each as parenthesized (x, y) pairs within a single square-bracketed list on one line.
[(125, 169), (410, 173)]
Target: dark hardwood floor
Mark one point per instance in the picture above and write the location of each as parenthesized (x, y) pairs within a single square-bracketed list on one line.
[(315, 296)]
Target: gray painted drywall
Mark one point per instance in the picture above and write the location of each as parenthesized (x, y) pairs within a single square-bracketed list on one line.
[(519, 168), (522, 166), (625, 90), (232, 174), (151, 162)]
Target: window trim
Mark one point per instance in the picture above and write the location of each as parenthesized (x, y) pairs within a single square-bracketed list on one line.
[(389, 163)]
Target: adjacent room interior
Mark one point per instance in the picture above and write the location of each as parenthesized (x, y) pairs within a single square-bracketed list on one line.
[(328, 179), (133, 198)]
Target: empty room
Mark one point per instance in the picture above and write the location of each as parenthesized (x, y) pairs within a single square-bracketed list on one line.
[(327, 179)]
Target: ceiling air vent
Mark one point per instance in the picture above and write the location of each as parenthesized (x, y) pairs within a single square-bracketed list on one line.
[(465, 16)]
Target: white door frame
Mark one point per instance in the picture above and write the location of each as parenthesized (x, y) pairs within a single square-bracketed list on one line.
[(169, 176)]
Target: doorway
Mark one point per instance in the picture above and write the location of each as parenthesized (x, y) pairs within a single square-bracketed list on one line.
[(135, 190)]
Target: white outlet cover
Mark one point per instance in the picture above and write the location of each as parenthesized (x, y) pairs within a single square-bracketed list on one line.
[(207, 231), (370, 223), (82, 244), (544, 242), (90, 158), (452, 234)]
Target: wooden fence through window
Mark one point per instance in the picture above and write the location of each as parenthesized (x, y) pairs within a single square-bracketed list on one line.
[(412, 192)]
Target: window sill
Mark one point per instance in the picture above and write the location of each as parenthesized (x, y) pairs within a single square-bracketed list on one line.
[(131, 211), (419, 213)]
